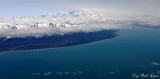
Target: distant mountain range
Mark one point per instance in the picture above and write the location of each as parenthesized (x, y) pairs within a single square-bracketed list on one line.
[(72, 21)]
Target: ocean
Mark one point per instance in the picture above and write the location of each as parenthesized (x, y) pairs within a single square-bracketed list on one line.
[(135, 53)]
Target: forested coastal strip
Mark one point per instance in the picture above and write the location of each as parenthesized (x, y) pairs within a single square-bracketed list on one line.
[(54, 41)]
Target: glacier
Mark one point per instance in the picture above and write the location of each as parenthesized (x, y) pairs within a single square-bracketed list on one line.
[(72, 22)]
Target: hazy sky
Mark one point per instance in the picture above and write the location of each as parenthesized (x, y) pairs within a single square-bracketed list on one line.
[(37, 7)]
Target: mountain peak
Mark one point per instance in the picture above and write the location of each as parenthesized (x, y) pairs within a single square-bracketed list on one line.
[(77, 13)]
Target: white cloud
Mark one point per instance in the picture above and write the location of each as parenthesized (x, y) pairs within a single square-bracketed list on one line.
[(76, 21), (111, 72), (155, 64), (35, 74), (44, 74), (59, 73), (67, 73), (33, 7), (80, 72), (47, 73), (74, 73)]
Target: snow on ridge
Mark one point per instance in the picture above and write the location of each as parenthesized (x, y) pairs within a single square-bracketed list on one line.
[(73, 21)]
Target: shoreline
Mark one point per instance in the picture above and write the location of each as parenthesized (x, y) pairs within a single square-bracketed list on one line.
[(54, 41)]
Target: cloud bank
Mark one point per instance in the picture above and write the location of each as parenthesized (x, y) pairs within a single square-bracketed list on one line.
[(88, 20)]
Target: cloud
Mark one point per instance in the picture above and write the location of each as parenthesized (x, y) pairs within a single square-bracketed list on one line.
[(80, 72), (72, 22), (33, 7), (64, 23), (59, 73), (35, 74), (155, 64), (67, 73), (74, 73), (44, 74), (47, 73), (114, 72), (158, 71), (111, 72)]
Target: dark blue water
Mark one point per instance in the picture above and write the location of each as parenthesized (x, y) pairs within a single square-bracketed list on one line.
[(135, 51), (54, 41)]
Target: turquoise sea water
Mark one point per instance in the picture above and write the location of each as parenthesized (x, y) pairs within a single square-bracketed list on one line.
[(135, 51)]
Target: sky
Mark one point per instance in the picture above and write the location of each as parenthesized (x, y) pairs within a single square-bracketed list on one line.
[(38, 7), (43, 7)]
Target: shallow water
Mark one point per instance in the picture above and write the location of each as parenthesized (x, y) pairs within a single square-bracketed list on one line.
[(135, 51)]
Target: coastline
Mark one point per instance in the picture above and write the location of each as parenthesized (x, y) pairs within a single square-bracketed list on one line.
[(54, 41)]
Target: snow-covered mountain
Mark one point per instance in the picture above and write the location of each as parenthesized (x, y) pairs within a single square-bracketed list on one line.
[(73, 21)]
